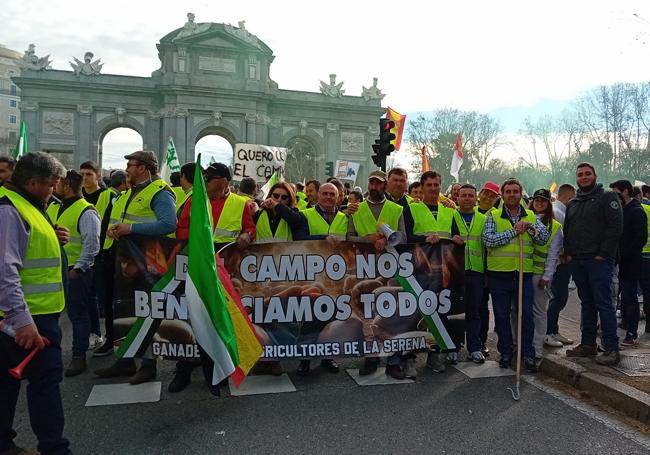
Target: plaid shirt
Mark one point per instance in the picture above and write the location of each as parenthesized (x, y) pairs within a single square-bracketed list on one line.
[(494, 239)]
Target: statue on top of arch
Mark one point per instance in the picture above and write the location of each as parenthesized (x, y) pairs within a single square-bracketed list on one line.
[(241, 33), (332, 89), (87, 67), (372, 93), (191, 28), (31, 61)]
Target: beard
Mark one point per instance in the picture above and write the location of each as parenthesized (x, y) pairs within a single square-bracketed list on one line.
[(375, 195)]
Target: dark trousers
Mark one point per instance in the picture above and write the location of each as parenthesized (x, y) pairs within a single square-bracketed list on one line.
[(644, 282), (473, 298), (484, 314), (93, 309), (78, 300), (630, 306), (104, 281), (43, 373), (560, 291), (504, 291), (593, 279)]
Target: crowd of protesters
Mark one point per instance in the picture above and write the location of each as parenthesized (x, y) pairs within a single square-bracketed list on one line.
[(59, 229)]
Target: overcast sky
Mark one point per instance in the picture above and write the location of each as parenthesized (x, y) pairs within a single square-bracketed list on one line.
[(490, 56)]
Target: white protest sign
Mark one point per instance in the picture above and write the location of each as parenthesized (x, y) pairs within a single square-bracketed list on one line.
[(258, 161), (346, 170)]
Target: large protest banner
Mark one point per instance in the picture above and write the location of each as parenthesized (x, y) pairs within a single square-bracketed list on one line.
[(305, 299), (258, 161)]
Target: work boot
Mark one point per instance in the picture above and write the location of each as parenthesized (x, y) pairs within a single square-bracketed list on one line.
[(530, 365), (395, 372), (369, 366), (477, 357), (181, 380), (146, 373), (329, 365), (119, 368), (582, 350), (76, 367), (609, 358), (436, 361), (410, 370)]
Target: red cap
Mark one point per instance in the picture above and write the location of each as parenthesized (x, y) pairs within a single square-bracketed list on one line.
[(491, 186)]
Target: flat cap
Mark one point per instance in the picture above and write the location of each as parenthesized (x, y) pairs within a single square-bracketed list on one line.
[(147, 158)]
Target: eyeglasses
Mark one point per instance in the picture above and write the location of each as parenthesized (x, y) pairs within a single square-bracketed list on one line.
[(277, 196)]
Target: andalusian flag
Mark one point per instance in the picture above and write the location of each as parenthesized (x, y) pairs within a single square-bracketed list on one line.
[(21, 146), (218, 320), (275, 178), (398, 130), (170, 163)]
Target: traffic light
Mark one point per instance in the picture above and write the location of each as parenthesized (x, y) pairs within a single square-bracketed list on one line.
[(329, 169), (383, 146)]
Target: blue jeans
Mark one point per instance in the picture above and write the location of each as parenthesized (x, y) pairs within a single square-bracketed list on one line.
[(43, 373), (630, 306), (473, 297), (593, 279), (644, 282), (504, 291), (560, 291), (78, 301)]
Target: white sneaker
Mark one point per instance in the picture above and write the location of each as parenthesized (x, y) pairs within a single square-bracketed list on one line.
[(95, 341), (562, 339), (549, 340)]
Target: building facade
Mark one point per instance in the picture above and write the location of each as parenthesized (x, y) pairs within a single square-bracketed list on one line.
[(9, 99), (213, 79)]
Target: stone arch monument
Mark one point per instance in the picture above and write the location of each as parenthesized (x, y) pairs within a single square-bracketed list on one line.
[(213, 79)]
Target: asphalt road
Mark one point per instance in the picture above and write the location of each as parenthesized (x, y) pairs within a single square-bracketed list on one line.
[(330, 413)]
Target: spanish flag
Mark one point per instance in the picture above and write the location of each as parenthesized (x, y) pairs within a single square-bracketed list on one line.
[(553, 188), (398, 130)]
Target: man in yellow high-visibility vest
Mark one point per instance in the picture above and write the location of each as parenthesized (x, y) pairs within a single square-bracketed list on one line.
[(31, 286), (503, 227), (81, 219), (147, 208)]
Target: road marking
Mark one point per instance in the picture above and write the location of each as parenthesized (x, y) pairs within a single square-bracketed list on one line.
[(490, 369), (379, 377), (110, 394), (262, 384), (600, 416)]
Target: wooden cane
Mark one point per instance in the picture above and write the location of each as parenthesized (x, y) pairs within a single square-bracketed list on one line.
[(520, 301)]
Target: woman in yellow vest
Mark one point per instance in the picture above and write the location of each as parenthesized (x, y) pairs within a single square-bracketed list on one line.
[(278, 217), (545, 261)]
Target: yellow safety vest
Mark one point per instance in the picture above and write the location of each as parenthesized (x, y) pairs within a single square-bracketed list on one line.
[(104, 200), (178, 192), (40, 275), (365, 223), (506, 258), (263, 233), (646, 247), (426, 224), (540, 252), (69, 218), (473, 237), (229, 223), (181, 200), (318, 225), (136, 209)]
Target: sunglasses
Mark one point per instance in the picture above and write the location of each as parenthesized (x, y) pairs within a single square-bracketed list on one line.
[(277, 196)]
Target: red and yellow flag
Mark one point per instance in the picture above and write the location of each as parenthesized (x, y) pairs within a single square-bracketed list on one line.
[(398, 130)]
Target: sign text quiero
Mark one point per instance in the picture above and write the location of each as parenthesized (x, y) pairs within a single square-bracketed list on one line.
[(258, 161)]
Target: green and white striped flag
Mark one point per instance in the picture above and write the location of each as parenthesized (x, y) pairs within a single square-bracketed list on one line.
[(206, 303), (21, 146), (275, 178), (170, 163)]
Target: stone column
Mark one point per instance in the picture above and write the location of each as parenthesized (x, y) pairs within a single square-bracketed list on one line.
[(251, 136), (84, 135), (30, 114), (275, 132)]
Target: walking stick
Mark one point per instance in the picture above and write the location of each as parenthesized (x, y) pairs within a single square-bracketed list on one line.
[(520, 298)]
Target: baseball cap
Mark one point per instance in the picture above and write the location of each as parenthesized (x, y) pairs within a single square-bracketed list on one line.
[(542, 193), (491, 186), (218, 170), (379, 175), (147, 158)]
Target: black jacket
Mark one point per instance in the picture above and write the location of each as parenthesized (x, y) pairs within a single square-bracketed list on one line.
[(593, 224), (635, 236)]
